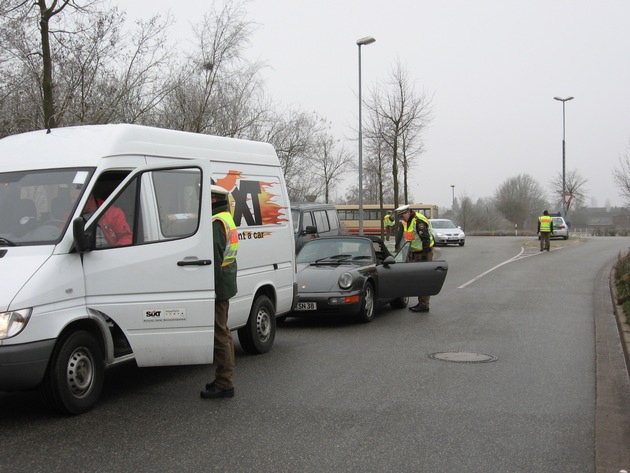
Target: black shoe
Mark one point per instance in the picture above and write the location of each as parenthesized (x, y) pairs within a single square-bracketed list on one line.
[(212, 391), (418, 308)]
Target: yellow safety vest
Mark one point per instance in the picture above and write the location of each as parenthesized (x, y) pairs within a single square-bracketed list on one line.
[(545, 223), (388, 221), (231, 233), (412, 235)]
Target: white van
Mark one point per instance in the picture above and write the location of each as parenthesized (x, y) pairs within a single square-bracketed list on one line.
[(74, 300)]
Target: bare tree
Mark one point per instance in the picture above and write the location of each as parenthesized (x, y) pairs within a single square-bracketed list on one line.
[(402, 116), (330, 161), (519, 199), (84, 70), (292, 133), (621, 175), (218, 91), (574, 184)]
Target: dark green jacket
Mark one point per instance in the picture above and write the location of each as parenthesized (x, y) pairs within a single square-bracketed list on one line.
[(224, 277)]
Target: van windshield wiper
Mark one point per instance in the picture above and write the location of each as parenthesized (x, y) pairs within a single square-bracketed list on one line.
[(6, 242)]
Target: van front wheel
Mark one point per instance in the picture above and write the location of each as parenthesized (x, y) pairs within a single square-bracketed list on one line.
[(258, 334), (74, 380)]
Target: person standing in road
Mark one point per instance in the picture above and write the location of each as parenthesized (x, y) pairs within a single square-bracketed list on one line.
[(225, 238), (389, 223), (545, 230), (417, 231)]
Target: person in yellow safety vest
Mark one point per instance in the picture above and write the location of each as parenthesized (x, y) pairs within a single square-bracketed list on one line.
[(545, 230), (389, 224), (225, 237), (417, 231)]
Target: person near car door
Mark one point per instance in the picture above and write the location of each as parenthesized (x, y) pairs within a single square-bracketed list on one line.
[(417, 231), (225, 237), (545, 230)]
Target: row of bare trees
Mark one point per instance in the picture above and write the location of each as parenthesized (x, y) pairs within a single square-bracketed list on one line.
[(78, 62), (75, 62)]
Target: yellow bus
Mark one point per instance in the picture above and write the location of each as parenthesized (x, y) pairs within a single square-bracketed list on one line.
[(373, 216)]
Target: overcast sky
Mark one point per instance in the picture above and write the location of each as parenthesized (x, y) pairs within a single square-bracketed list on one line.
[(492, 67)]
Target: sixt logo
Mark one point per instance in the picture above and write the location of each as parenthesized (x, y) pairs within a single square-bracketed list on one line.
[(153, 313)]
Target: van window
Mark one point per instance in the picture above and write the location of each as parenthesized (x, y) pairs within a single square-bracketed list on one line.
[(334, 222), (321, 221), (177, 196), (307, 220)]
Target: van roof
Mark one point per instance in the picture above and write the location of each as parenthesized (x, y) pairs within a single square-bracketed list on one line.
[(311, 205), (87, 145)]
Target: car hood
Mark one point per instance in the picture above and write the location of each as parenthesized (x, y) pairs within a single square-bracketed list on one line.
[(17, 266), (321, 277)]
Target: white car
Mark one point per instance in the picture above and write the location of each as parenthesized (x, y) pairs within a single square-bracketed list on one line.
[(560, 228), (445, 232)]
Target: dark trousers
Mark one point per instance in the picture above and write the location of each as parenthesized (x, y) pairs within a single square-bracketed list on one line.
[(544, 241), (416, 257), (223, 346)]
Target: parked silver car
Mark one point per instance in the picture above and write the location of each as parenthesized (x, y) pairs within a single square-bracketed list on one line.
[(445, 232)]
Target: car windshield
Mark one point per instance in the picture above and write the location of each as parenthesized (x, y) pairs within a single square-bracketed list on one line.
[(558, 221), (36, 206), (443, 224), (336, 251)]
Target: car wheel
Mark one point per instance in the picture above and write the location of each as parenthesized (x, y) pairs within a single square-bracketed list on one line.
[(399, 303), (258, 334), (74, 379), (566, 237), (461, 243), (366, 314)]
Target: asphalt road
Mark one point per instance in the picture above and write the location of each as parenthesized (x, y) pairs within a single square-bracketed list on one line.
[(339, 396)]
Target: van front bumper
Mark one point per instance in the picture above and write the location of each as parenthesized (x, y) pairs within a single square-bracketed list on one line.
[(23, 366)]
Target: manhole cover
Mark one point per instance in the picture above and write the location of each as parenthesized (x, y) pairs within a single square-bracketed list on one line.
[(463, 357)]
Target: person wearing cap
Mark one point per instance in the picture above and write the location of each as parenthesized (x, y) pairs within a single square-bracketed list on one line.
[(225, 236), (545, 230), (417, 231)]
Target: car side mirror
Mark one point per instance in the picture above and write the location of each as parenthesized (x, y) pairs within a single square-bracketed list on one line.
[(309, 230), (389, 260), (82, 238)]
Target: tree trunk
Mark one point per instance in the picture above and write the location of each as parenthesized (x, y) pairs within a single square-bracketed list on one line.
[(47, 81)]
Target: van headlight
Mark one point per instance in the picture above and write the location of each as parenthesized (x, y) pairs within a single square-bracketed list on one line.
[(345, 281), (13, 322)]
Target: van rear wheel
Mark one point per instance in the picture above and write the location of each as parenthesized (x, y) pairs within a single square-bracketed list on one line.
[(258, 335), (74, 380)]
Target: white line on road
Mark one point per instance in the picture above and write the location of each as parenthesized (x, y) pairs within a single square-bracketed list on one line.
[(519, 256)]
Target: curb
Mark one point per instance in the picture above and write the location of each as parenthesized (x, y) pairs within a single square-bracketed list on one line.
[(620, 316)]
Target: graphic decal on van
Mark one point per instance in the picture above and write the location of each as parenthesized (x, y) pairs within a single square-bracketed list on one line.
[(253, 202)]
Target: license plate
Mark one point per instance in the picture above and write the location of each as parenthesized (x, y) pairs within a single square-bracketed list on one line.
[(306, 306)]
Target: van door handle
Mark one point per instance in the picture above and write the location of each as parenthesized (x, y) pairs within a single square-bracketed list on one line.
[(196, 262)]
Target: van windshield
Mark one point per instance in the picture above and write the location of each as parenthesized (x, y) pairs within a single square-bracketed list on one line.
[(36, 206)]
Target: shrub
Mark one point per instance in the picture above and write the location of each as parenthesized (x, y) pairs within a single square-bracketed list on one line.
[(622, 283)]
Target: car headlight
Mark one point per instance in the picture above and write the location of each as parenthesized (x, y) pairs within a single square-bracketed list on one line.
[(345, 281), (13, 322)]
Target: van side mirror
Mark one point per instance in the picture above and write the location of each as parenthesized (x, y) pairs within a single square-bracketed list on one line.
[(309, 230), (82, 238)]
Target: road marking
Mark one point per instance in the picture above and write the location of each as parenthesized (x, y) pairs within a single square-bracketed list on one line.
[(519, 256)]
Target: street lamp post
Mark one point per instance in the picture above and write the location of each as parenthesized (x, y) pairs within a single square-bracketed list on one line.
[(564, 184), (453, 189), (361, 42)]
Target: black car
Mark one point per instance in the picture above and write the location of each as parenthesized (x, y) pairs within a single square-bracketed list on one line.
[(353, 275)]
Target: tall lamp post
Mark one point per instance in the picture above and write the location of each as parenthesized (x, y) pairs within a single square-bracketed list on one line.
[(453, 205), (361, 42), (564, 184)]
